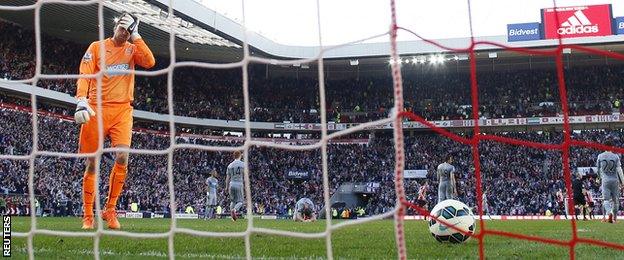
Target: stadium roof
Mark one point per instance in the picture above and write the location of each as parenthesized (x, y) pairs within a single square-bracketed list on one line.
[(79, 23), (203, 34), (233, 30)]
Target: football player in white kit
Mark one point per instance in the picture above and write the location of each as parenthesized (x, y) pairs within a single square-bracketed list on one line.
[(234, 182), (611, 177), (211, 195), (304, 211), (447, 188)]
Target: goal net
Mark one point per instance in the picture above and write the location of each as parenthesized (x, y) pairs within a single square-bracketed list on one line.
[(396, 119)]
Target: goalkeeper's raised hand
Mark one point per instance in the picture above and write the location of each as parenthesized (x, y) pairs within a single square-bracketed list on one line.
[(83, 111), (131, 24)]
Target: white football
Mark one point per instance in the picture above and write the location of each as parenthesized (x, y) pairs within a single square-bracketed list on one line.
[(455, 213)]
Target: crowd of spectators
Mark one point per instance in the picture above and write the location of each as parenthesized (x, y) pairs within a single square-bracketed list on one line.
[(217, 94), (519, 180)]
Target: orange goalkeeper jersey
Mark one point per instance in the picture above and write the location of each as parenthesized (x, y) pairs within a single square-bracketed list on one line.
[(117, 86)]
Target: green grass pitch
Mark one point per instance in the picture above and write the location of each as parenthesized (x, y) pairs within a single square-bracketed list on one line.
[(373, 240)]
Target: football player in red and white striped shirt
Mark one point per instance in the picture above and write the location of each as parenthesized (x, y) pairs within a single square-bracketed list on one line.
[(422, 196), (589, 208), (561, 204)]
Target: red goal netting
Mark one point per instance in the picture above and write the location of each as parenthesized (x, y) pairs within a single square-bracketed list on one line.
[(564, 147)]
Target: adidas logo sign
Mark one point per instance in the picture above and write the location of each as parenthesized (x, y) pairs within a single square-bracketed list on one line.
[(577, 24)]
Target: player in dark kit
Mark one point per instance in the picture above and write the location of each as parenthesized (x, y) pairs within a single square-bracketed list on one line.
[(578, 195)]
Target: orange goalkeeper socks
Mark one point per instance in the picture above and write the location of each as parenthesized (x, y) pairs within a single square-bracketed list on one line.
[(88, 193), (116, 183)]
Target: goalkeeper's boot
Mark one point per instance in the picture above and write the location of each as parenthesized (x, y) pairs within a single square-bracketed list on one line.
[(87, 222), (110, 216), (610, 218)]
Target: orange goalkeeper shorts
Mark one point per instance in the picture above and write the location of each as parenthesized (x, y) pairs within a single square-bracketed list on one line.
[(117, 122)]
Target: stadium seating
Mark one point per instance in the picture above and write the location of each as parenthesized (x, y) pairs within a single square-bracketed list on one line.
[(217, 94), (520, 181)]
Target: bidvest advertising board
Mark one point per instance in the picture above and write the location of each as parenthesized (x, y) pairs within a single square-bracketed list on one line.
[(619, 25), (523, 32)]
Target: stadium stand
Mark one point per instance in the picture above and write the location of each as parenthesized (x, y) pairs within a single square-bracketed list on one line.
[(522, 180), (217, 95)]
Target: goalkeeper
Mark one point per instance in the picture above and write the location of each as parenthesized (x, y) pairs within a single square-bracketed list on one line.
[(117, 91)]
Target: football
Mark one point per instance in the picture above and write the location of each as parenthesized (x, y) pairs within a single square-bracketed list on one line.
[(458, 215)]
